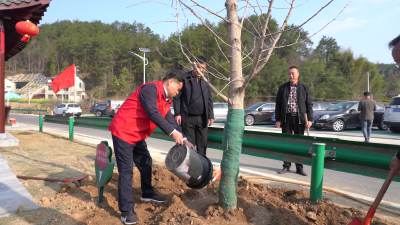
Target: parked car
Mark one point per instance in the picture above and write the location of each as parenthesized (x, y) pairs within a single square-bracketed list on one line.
[(114, 111), (392, 115), (67, 109), (259, 112), (99, 109), (317, 106), (112, 105), (344, 115), (220, 111)]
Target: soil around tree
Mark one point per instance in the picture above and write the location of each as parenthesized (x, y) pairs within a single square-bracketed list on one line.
[(77, 203)]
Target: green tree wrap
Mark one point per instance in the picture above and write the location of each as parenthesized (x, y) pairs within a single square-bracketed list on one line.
[(232, 144)]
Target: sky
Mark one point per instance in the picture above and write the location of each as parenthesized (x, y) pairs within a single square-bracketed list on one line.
[(365, 26)]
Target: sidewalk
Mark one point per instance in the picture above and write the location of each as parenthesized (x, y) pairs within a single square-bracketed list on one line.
[(12, 193)]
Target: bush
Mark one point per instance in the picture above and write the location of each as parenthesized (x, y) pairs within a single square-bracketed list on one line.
[(22, 100)]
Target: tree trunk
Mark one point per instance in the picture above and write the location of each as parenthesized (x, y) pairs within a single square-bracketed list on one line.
[(234, 126)]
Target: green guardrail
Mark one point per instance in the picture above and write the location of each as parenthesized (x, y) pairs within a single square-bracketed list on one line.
[(30, 110), (337, 150)]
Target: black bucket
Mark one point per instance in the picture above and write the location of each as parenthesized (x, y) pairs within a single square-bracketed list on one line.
[(193, 168)]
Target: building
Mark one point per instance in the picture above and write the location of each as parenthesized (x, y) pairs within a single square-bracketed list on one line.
[(31, 86), (67, 93), (9, 85), (26, 85)]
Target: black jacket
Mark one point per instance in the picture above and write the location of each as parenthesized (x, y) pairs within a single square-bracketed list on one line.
[(182, 100), (304, 102)]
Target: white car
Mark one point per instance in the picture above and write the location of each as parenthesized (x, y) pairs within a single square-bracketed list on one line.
[(392, 115), (220, 111), (111, 106), (67, 109)]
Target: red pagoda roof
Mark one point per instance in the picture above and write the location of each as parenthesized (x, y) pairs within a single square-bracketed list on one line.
[(14, 11)]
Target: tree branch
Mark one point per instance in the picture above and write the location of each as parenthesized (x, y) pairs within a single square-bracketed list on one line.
[(259, 51), (221, 49), (306, 20), (194, 64), (221, 34), (215, 14), (150, 2), (314, 33), (257, 68), (244, 14), (206, 24)]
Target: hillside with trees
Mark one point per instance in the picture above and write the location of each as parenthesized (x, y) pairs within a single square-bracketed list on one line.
[(110, 71)]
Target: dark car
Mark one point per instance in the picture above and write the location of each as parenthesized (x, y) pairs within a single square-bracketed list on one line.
[(344, 115), (259, 112), (99, 109), (317, 106)]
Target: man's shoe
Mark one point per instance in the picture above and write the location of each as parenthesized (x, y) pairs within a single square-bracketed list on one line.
[(301, 172), (154, 198), (366, 140), (284, 170), (129, 218)]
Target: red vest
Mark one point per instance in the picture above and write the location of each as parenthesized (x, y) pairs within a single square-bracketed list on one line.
[(131, 122)]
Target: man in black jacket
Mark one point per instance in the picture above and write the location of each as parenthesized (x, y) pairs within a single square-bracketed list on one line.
[(293, 101), (394, 45), (193, 106)]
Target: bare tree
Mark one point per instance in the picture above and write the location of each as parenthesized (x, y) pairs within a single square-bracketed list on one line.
[(264, 44)]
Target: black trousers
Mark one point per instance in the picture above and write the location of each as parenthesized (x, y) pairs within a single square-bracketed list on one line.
[(126, 154), (292, 126), (196, 132)]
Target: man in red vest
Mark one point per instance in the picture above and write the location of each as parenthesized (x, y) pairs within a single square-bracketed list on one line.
[(147, 108)]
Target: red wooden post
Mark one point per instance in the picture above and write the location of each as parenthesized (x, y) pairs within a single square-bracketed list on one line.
[(2, 70)]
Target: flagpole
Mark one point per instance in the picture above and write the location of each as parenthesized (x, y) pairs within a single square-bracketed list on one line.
[(73, 103), (75, 86)]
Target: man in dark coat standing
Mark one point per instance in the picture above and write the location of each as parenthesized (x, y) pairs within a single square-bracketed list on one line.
[(394, 45), (367, 106), (293, 101), (193, 106)]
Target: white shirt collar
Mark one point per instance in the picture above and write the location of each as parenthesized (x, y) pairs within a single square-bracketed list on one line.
[(166, 93)]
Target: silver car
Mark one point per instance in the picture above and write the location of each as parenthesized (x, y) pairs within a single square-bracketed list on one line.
[(67, 109), (220, 111)]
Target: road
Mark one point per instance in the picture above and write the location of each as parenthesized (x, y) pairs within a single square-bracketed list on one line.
[(356, 185), (352, 134)]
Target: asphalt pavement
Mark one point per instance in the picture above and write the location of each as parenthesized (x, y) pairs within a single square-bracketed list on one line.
[(356, 185)]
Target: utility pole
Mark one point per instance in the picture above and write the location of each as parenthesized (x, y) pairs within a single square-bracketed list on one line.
[(145, 61), (368, 81)]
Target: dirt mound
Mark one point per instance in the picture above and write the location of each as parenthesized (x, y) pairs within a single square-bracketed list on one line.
[(257, 204)]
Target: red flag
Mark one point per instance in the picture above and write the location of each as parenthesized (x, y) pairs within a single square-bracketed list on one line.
[(66, 79)]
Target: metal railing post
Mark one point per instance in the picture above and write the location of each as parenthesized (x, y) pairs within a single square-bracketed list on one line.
[(317, 171), (71, 128), (41, 123)]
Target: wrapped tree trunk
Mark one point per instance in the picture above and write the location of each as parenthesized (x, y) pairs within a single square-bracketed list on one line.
[(234, 126)]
